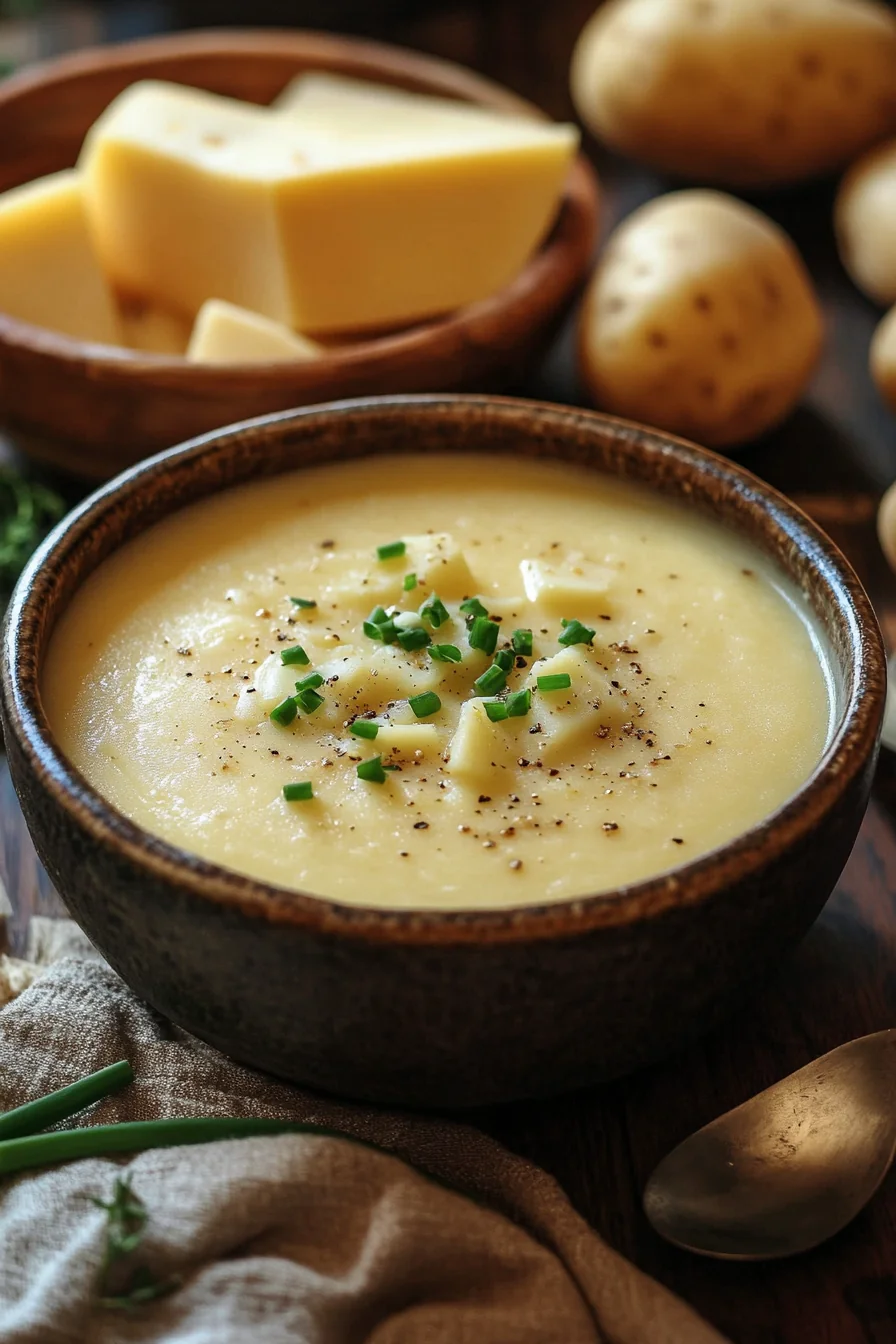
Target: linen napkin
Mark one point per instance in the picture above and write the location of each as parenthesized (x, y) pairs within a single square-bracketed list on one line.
[(445, 1238)]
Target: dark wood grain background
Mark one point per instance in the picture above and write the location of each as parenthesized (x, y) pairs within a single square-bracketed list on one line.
[(835, 456)]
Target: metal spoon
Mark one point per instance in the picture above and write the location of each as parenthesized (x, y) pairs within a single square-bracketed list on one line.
[(789, 1168)]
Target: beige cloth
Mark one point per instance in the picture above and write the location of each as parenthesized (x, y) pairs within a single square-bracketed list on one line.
[(294, 1239)]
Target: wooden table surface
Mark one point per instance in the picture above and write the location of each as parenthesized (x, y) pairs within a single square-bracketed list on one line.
[(834, 456)]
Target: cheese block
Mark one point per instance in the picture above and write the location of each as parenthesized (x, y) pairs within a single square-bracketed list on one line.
[(226, 334), (339, 95), (49, 273), (320, 222), (152, 330)]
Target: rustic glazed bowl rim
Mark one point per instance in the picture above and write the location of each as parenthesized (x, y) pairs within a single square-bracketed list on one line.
[(396, 65), (851, 743)]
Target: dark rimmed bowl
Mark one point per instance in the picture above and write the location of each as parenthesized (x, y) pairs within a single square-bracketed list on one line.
[(443, 1008)]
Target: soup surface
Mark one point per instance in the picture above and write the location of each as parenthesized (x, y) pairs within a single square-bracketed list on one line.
[(635, 685)]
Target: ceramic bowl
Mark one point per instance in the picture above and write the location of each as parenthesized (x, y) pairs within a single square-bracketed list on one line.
[(443, 1009), (94, 410)]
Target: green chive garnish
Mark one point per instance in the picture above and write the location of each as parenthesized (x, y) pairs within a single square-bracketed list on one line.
[(425, 704), (493, 679), (378, 615), (364, 728), (296, 654), (306, 603), (308, 701), (434, 611), (445, 653), (557, 681), (504, 659), (496, 710), (472, 607), (298, 793), (575, 633), (522, 642), (372, 770), (391, 551), (518, 703), (386, 631), (310, 682), (483, 634), (415, 638), (409, 583), (285, 712)]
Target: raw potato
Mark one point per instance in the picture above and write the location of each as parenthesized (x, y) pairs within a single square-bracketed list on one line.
[(739, 92), (865, 223), (883, 361), (700, 318), (886, 525)]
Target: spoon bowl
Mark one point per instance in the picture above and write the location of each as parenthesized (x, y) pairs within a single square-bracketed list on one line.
[(790, 1167)]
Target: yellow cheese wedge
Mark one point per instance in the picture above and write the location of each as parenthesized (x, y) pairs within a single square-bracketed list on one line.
[(318, 90), (226, 334), (153, 330), (49, 274), (311, 219)]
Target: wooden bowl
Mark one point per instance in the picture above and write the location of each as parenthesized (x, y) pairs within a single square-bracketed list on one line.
[(439, 1008), (93, 410)]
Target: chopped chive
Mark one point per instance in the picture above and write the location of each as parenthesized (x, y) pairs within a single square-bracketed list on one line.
[(285, 712), (415, 638), (556, 681), (372, 770), (391, 551), (472, 607), (522, 642), (496, 710), (364, 728), (310, 682), (296, 654), (504, 659), (308, 701), (445, 653), (378, 615), (493, 679), (425, 704), (434, 611), (409, 583), (298, 793), (391, 767), (386, 630), (518, 703), (306, 603), (483, 634), (575, 633)]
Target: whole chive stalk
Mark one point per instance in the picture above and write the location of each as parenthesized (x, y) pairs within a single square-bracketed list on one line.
[(445, 653), (391, 551), (521, 641), (295, 654), (285, 712), (59, 1105), (556, 681), (372, 771), (306, 603), (41, 1150), (364, 728), (434, 611), (483, 634), (493, 680), (300, 792), (575, 632), (425, 704)]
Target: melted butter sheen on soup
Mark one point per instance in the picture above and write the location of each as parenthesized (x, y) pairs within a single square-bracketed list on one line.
[(699, 706)]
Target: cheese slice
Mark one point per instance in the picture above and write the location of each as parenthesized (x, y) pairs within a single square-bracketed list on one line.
[(226, 334), (339, 95), (319, 222), (152, 330), (49, 273)]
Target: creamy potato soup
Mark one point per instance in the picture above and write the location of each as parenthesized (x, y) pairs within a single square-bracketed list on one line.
[(447, 682)]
